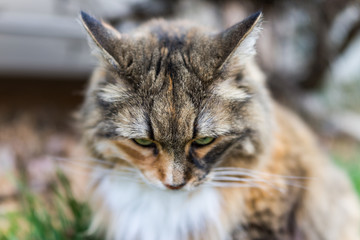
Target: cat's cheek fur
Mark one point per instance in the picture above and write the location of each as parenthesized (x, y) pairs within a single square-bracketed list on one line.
[(156, 169), (106, 149)]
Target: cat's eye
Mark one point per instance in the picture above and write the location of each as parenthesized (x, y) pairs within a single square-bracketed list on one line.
[(204, 141), (144, 142)]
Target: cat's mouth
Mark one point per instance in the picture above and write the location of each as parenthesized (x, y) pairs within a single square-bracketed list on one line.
[(175, 186), (126, 172), (180, 187), (184, 186)]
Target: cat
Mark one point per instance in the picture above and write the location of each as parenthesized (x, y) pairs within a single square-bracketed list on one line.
[(187, 143)]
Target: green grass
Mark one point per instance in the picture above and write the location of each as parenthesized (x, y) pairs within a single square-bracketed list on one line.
[(61, 217), (352, 167)]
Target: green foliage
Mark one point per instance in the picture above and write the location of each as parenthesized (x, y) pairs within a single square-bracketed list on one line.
[(60, 217), (352, 167)]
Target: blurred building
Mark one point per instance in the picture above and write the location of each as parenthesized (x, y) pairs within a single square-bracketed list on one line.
[(42, 37)]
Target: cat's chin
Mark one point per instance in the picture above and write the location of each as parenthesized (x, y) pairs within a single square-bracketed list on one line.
[(124, 208)]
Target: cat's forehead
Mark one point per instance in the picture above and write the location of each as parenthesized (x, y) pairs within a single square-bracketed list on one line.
[(171, 82), (161, 49), (174, 97), (164, 67)]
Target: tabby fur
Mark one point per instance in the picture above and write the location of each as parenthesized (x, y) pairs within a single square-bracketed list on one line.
[(263, 177)]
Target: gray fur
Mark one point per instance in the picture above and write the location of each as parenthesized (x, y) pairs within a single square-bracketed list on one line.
[(168, 73)]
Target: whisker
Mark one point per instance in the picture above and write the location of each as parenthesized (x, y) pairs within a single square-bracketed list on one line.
[(84, 167), (233, 173), (103, 170), (124, 176), (128, 168), (243, 171), (270, 182), (117, 176), (132, 176), (89, 165), (235, 179), (87, 159), (253, 176), (295, 184), (115, 171), (130, 179), (230, 184)]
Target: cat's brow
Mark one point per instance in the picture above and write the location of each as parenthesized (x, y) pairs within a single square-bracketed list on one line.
[(207, 125), (137, 126), (216, 132), (132, 133)]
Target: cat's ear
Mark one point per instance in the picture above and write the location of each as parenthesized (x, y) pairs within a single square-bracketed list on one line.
[(104, 39), (236, 44)]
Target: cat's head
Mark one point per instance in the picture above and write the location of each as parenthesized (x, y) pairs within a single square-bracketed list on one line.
[(175, 101)]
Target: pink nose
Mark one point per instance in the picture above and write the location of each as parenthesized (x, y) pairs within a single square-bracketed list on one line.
[(175, 187)]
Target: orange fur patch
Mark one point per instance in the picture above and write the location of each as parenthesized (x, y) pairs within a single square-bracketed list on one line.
[(134, 153), (202, 151)]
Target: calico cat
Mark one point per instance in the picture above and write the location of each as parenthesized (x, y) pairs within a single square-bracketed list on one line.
[(188, 144)]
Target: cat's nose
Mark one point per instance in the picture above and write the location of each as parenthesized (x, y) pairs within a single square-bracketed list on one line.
[(175, 187)]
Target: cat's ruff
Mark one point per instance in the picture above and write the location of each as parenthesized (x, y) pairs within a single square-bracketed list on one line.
[(138, 211)]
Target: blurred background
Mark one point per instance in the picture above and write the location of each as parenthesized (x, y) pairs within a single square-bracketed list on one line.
[(309, 49)]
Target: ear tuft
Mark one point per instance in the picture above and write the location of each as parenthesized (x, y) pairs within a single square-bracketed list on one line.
[(104, 39), (246, 47), (238, 42)]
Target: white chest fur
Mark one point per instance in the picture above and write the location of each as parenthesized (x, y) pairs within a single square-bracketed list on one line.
[(132, 211)]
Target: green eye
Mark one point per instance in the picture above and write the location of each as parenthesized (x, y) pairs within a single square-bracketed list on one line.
[(143, 141), (204, 141)]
